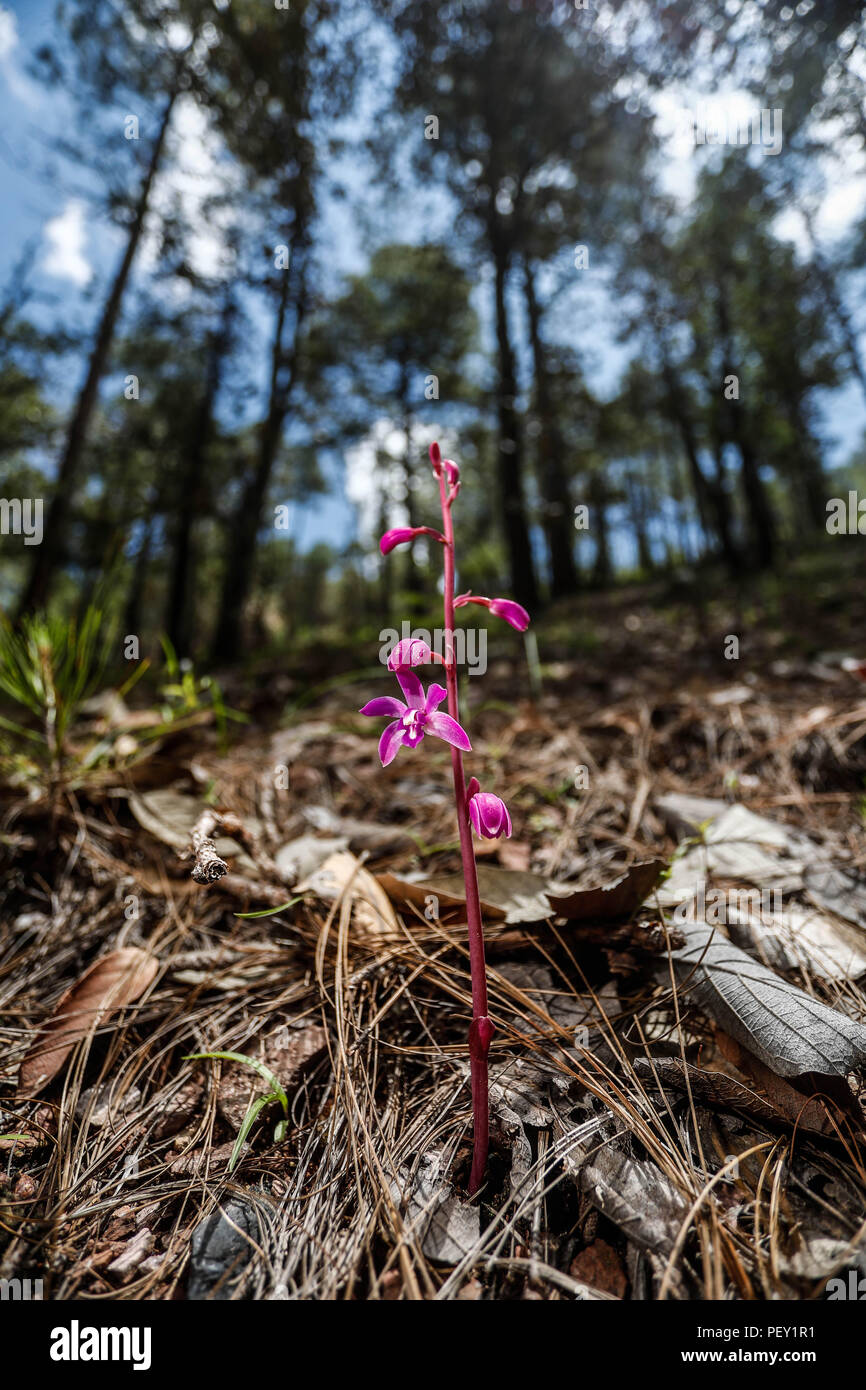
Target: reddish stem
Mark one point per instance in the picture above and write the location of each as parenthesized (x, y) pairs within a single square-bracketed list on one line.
[(482, 1029)]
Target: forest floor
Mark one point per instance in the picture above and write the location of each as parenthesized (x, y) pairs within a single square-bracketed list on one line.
[(672, 1116)]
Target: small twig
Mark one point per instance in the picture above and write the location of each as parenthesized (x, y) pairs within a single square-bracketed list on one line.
[(208, 866)]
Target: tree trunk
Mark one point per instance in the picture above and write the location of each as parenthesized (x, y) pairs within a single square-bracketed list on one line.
[(238, 575), (414, 578), (189, 503), (558, 527), (512, 502), (712, 500), (762, 526), (602, 572), (49, 554), (132, 617)]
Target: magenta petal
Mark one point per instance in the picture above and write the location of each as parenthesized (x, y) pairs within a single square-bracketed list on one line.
[(510, 612), (384, 704), (412, 651), (443, 726), (399, 535), (389, 743), (412, 688), (489, 816), (435, 695)]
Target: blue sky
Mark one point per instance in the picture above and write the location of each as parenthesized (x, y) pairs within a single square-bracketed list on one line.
[(74, 250)]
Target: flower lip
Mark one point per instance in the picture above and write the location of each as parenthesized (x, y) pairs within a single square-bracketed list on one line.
[(489, 816)]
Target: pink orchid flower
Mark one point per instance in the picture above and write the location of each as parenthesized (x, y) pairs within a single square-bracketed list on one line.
[(411, 651), (505, 608), (489, 816), (400, 535), (417, 717)]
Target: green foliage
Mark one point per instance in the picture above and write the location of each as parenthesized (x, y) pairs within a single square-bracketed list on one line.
[(276, 1094), (49, 666)]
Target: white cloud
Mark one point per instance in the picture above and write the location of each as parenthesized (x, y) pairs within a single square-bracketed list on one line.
[(63, 255), (192, 175), (8, 32), (19, 85)]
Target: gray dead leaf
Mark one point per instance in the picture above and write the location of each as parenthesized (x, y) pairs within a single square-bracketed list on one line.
[(800, 938), (586, 1017), (784, 1027), (302, 856), (522, 1089), (447, 1227), (820, 1257), (636, 1196), (288, 745), (744, 847), (686, 814), (359, 834), (170, 815), (521, 1150), (101, 1104), (837, 890), (632, 1193)]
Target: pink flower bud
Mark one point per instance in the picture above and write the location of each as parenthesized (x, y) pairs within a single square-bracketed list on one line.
[(399, 535), (412, 651), (489, 816), (435, 458), (505, 608), (511, 612)]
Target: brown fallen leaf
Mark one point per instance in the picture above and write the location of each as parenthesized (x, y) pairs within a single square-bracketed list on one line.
[(513, 854), (343, 874), (517, 896), (600, 1266), (717, 1088), (109, 984), (807, 1111)]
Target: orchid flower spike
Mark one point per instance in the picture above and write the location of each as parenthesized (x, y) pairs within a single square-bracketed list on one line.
[(412, 720), (489, 816), (505, 608)]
